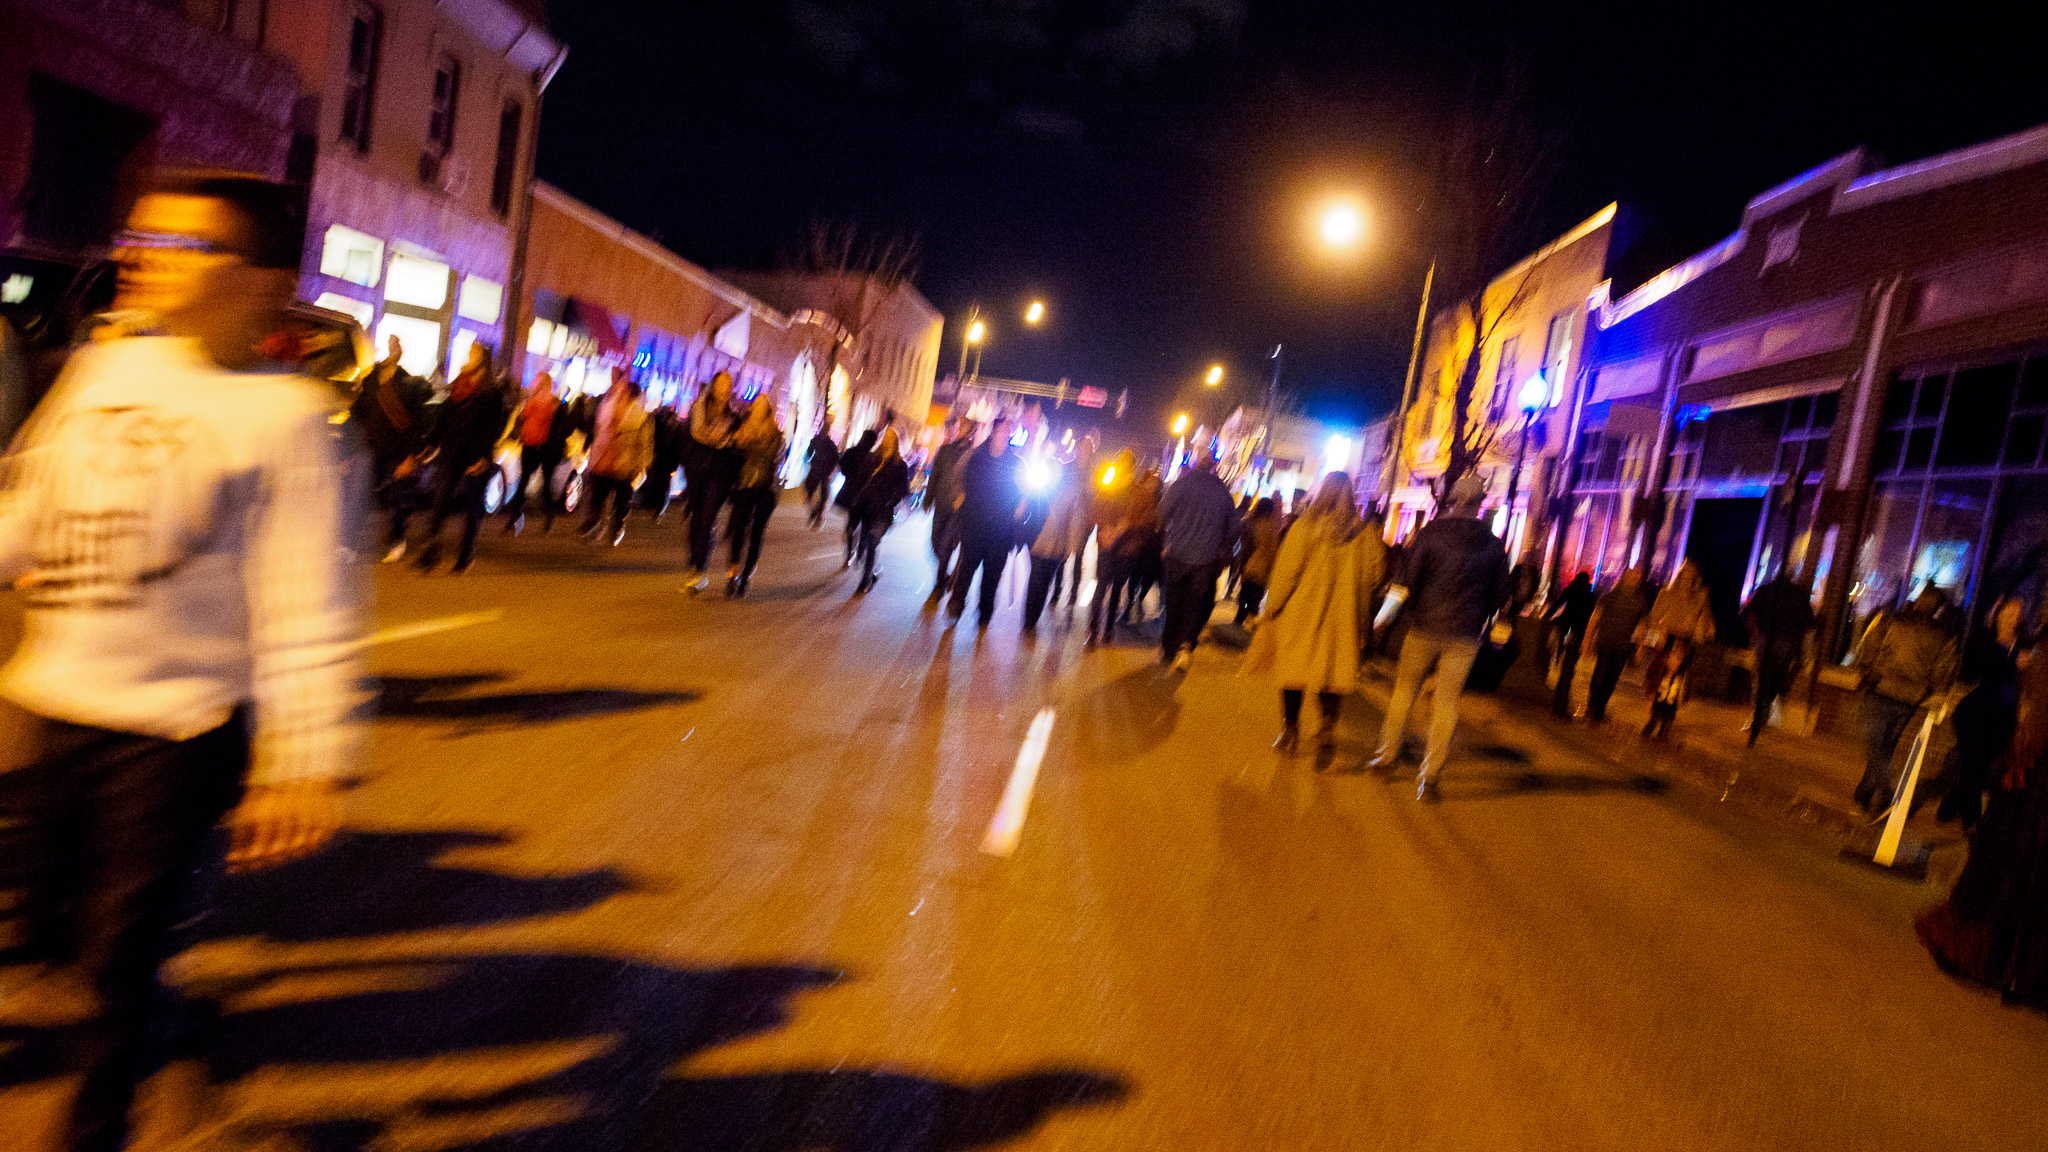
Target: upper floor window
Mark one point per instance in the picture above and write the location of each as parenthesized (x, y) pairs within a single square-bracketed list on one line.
[(506, 173), (359, 87), (441, 114), (1503, 379), (1557, 354)]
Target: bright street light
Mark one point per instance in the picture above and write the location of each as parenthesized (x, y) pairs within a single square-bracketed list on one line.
[(1180, 424), (1215, 376), (1341, 224), (1035, 313), (976, 331)]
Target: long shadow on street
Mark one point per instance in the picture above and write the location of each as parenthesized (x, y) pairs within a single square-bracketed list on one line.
[(494, 1052), (452, 697)]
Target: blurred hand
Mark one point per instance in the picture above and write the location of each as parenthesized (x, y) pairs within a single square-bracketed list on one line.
[(273, 825)]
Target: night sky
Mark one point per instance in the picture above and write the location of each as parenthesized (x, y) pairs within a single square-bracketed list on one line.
[(1148, 166)]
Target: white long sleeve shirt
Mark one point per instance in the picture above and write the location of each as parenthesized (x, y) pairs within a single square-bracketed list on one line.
[(180, 535)]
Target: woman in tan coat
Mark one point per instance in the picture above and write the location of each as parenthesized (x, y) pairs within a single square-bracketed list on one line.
[(620, 450), (1318, 608)]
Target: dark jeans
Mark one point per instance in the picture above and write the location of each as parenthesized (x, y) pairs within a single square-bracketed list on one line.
[(1044, 570), (751, 508), (1187, 599), (986, 554), (871, 531), (1608, 664), (1249, 593), (457, 491), (534, 462), (655, 489), (1774, 668), (817, 490), (1112, 576), (1984, 728), (1884, 721), (704, 497), (1328, 703), (945, 541), (1567, 671), (398, 496), (597, 490), (101, 836)]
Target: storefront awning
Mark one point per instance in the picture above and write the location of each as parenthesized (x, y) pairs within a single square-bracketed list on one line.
[(594, 321)]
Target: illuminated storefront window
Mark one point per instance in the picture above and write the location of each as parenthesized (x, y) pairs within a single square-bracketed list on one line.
[(417, 281), (347, 254)]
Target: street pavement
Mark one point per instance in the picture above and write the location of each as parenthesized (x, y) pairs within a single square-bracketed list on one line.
[(636, 869)]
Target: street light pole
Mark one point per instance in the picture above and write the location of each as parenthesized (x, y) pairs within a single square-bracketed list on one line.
[(966, 338)]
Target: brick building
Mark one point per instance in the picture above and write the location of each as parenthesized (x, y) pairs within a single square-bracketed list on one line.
[(1854, 384), (887, 341), (421, 116), (93, 93)]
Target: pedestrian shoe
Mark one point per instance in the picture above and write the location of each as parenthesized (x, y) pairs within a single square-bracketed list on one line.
[(618, 535), (1326, 738), (428, 557), (1384, 760), (1184, 660), (1092, 640), (396, 553), (1289, 741), (514, 525), (462, 564), (1426, 789)]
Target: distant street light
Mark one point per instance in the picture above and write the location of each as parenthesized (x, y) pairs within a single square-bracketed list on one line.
[(1215, 376), (972, 338), (1180, 424), (976, 331), (1035, 313)]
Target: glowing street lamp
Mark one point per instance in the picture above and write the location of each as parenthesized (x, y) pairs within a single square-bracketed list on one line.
[(976, 331), (1215, 376), (1035, 313), (1341, 225), (971, 338), (1180, 424)]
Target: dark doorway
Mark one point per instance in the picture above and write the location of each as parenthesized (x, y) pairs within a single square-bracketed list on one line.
[(1723, 533), (85, 164)]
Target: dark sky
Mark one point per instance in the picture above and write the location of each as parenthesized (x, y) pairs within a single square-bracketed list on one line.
[(1147, 166)]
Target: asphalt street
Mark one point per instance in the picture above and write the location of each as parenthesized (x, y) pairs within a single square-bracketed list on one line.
[(635, 869)]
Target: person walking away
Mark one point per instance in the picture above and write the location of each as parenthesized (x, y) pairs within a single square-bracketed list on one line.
[(620, 451), (1780, 617), (1147, 563), (1569, 613), (821, 463), (1455, 579), (1904, 661), (760, 442), (1986, 719), (854, 465), (1112, 559), (671, 442), (1085, 523), (1681, 619), (1050, 547), (1993, 931), (886, 486), (1259, 545), (466, 433), (1616, 620), (539, 452), (712, 427), (1315, 621), (1235, 572), (177, 520), (943, 495), (1198, 529), (390, 415), (991, 501)]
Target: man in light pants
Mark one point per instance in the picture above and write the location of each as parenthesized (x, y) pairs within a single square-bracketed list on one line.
[(1455, 577)]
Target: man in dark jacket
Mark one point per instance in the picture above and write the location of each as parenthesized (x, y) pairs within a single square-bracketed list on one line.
[(1570, 610), (466, 431), (1198, 520), (822, 460), (710, 469), (855, 464), (390, 414), (1613, 628), (1455, 579), (991, 501), (942, 493), (1779, 615)]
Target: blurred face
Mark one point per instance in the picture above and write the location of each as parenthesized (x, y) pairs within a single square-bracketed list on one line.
[(393, 350), (543, 384), (476, 357), (721, 388), (2007, 619), (181, 257), (999, 438), (1927, 603)]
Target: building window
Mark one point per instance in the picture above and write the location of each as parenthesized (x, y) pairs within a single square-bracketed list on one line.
[(419, 282), (347, 254), (441, 118), (506, 173), (359, 87), (1557, 353), (363, 312), (1503, 379), (480, 300)]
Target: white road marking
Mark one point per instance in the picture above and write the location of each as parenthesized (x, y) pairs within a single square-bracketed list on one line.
[(1008, 826), (920, 904), (419, 628)]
